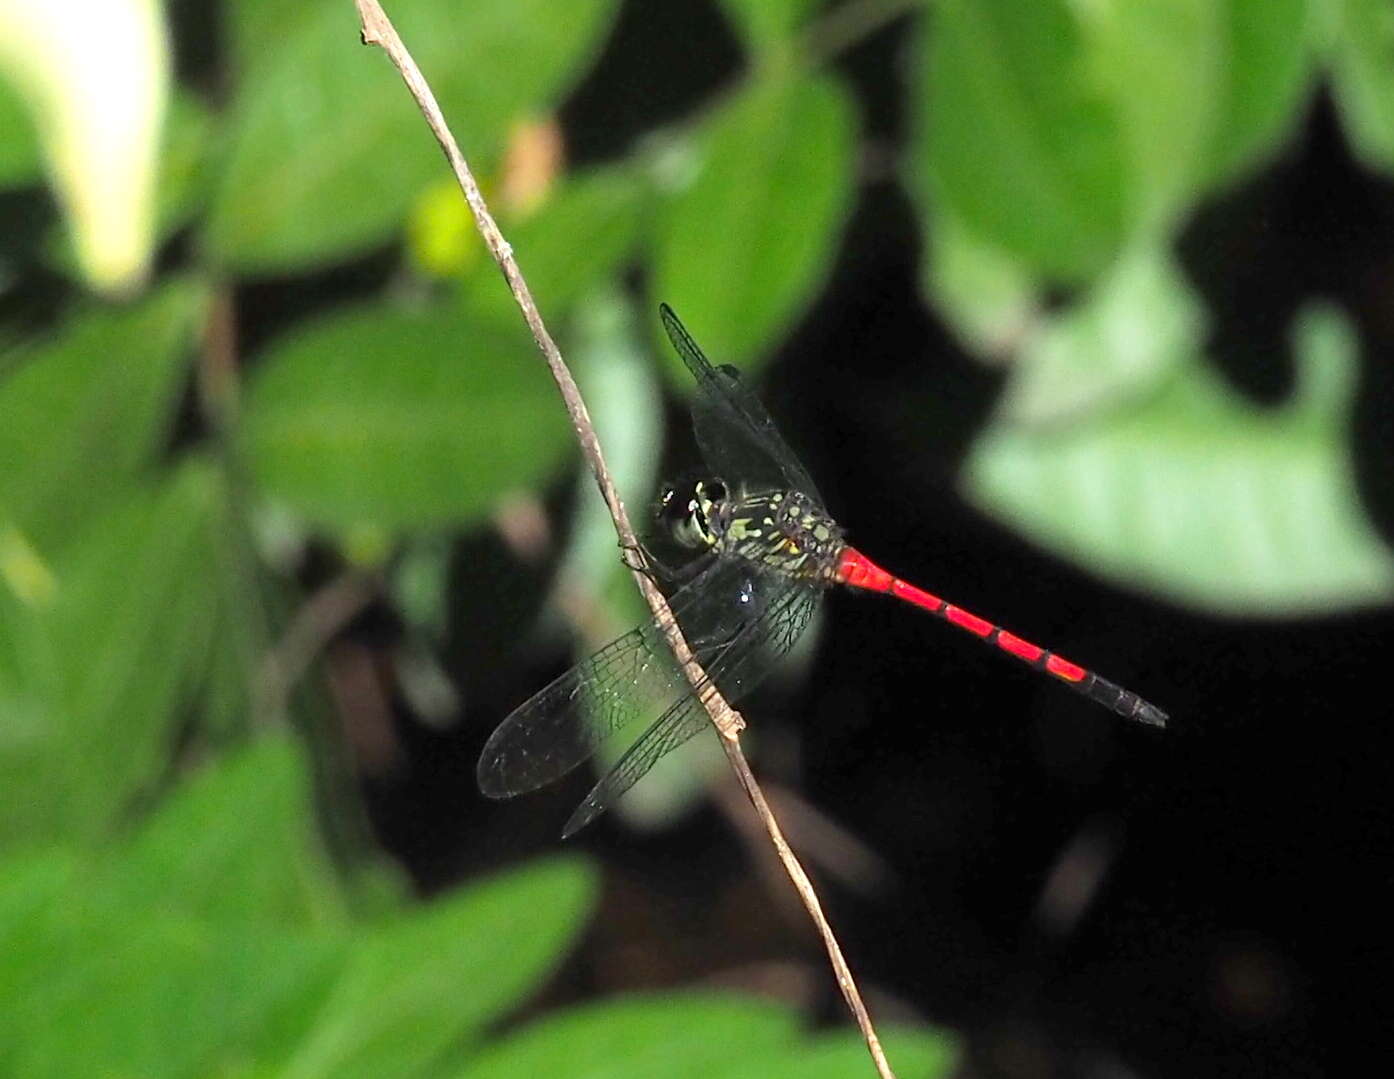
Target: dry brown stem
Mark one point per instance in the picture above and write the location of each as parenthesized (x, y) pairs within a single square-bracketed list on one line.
[(378, 30)]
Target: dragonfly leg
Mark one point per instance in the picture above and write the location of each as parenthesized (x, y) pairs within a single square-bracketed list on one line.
[(640, 559), (688, 571)]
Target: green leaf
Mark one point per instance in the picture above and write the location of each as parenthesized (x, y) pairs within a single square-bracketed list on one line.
[(744, 247), (101, 667), (87, 410), (234, 843), (1265, 81), (1178, 97), (985, 294), (30, 884), (1200, 496), (1135, 327), (108, 971), (442, 972), (1361, 48), (329, 150), (20, 162), (185, 180), (110, 989), (672, 1036), (1160, 64), (1016, 140), (1057, 132), (402, 419)]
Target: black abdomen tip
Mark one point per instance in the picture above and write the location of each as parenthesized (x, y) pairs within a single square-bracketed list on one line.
[(1144, 712), (1121, 701)]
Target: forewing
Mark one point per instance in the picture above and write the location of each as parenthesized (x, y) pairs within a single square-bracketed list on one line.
[(563, 724), (736, 669), (737, 437)]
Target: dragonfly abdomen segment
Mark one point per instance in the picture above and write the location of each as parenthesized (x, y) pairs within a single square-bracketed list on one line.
[(1124, 702), (858, 571)]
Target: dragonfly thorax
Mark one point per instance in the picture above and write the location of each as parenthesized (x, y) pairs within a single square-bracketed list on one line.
[(787, 531), (784, 530)]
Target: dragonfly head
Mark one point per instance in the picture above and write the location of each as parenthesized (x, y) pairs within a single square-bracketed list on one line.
[(691, 510)]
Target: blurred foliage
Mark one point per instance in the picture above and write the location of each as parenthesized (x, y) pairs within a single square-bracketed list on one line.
[(672, 1036), (19, 150), (96, 77), (344, 438), (739, 249), (1358, 38), (211, 939), (361, 152), (166, 906)]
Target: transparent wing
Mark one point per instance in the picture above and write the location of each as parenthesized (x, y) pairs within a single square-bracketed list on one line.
[(735, 669), (563, 724), (736, 435)]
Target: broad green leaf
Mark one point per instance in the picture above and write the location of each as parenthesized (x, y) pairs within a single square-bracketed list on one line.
[(102, 979), (1188, 93), (673, 1037), (1160, 64), (1017, 139), (328, 149), (1198, 495), (96, 77), (185, 173), (438, 974), (83, 414), (1271, 55), (19, 147), (23, 700), (30, 884), (1057, 132), (986, 294), (99, 988), (744, 247), (1361, 46), (1135, 327), (102, 667), (402, 419), (234, 843)]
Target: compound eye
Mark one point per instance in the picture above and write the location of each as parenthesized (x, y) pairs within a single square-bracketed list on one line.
[(715, 490)]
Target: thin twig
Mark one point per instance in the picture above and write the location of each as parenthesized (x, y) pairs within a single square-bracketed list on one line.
[(804, 887), (217, 366), (377, 30)]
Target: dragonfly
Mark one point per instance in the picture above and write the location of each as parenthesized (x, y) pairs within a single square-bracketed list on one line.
[(765, 550)]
